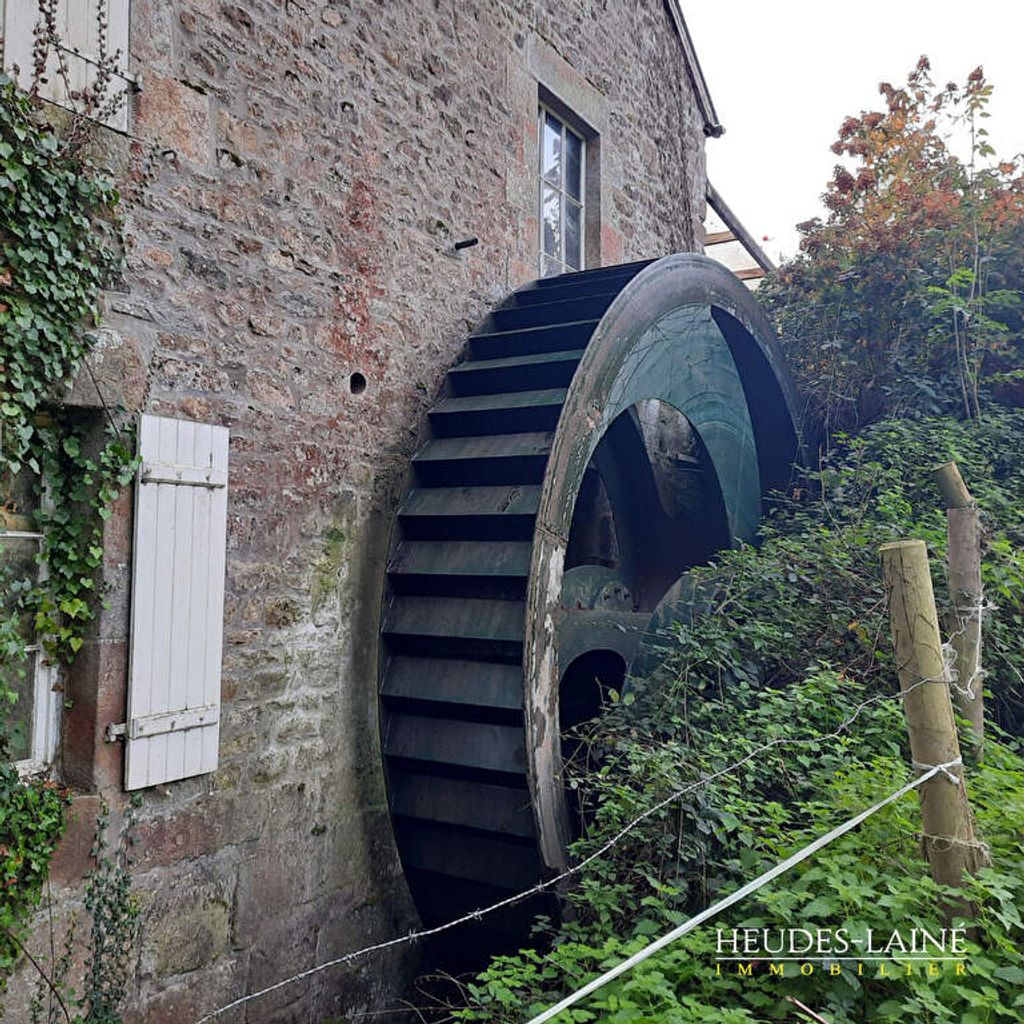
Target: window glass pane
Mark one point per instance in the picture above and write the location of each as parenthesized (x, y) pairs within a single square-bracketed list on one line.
[(573, 235), (19, 569), (551, 221), (573, 165), (551, 150), (17, 720), (551, 268), (18, 500)]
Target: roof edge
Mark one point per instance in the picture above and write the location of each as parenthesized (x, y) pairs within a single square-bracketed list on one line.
[(712, 126), (735, 225)]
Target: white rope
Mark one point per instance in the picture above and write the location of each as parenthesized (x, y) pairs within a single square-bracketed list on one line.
[(761, 880), (550, 883), (965, 615), (944, 768)]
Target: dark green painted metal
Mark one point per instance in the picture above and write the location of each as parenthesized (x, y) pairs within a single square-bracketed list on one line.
[(485, 513), (461, 568), (557, 291), (500, 446), (430, 616), (585, 306), (462, 558), (456, 743), (532, 341), (662, 339), (453, 681), (515, 373), (442, 898), (597, 274), (517, 412), (539, 398), (476, 858), (490, 459), (597, 629), (465, 803), (595, 586)]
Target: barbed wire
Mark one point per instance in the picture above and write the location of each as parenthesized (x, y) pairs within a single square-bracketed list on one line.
[(550, 883), (929, 772)]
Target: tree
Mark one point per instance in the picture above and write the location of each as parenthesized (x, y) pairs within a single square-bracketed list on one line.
[(905, 298)]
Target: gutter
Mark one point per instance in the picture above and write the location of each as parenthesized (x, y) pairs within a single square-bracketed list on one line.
[(712, 126)]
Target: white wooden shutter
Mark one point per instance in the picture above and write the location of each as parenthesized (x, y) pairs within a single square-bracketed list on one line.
[(78, 29), (177, 602)]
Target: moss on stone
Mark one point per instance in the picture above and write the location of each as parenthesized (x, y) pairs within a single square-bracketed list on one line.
[(328, 566)]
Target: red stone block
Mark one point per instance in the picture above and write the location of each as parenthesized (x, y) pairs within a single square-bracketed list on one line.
[(174, 115), (73, 859)]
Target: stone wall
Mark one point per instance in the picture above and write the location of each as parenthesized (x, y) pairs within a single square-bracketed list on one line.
[(314, 163)]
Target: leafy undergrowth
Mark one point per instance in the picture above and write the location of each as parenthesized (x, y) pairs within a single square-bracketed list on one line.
[(786, 644)]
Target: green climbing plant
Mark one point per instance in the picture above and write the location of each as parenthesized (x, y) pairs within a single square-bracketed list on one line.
[(59, 246), (113, 911), (31, 823)]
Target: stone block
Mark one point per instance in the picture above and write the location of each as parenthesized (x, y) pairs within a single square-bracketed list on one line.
[(270, 962), (612, 247), (73, 858), (175, 116), (152, 36), (96, 688), (271, 883), (113, 377), (188, 933), (187, 998), (189, 834)]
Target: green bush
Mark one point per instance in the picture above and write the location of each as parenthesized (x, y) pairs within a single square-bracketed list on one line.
[(907, 299), (792, 642)]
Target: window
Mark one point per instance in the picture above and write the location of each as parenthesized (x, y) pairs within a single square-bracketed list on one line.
[(82, 45), (36, 715), (560, 195), (175, 635)]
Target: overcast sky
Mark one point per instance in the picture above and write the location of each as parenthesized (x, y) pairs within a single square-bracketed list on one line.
[(783, 74)]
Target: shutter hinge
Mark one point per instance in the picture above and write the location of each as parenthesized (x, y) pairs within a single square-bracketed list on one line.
[(168, 721), (183, 476)]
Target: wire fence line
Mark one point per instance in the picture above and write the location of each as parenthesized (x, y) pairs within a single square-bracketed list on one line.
[(762, 880), (556, 880)]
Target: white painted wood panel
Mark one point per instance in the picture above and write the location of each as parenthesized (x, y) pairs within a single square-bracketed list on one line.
[(78, 27), (19, 24), (177, 602)]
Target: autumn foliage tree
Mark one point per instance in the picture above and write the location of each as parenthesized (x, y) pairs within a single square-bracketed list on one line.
[(906, 298)]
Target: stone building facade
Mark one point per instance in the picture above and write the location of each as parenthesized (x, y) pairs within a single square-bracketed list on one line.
[(292, 276)]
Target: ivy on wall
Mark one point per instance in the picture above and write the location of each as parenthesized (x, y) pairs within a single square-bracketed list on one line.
[(59, 246)]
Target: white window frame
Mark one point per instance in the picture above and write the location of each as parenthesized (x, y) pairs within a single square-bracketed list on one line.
[(544, 111), (46, 700)]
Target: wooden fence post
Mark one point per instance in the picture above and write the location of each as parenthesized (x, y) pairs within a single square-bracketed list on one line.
[(964, 621), (948, 826)]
